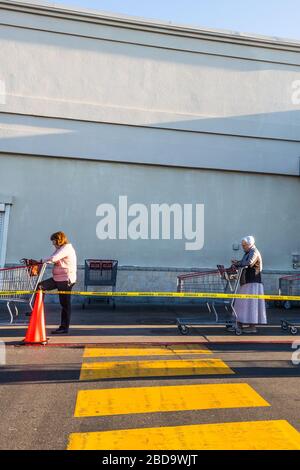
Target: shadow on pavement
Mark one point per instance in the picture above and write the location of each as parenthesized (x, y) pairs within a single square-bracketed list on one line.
[(70, 373)]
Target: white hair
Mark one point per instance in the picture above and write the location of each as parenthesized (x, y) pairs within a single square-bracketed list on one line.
[(249, 240)]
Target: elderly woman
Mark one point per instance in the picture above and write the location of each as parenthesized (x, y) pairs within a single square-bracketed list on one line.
[(250, 312)]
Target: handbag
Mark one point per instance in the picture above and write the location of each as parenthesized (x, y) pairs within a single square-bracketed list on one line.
[(33, 266)]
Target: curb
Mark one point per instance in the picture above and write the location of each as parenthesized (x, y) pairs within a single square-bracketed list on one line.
[(150, 343)]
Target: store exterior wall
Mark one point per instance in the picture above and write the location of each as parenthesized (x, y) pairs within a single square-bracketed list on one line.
[(53, 194), (82, 85)]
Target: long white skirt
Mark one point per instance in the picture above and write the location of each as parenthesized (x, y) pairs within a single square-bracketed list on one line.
[(251, 311)]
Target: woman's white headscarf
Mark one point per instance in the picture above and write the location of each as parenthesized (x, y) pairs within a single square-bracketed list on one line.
[(250, 240)]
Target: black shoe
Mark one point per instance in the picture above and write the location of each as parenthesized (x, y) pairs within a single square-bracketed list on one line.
[(60, 331)]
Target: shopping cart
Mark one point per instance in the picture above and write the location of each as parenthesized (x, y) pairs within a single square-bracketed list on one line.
[(20, 278), (100, 273), (289, 285), (219, 281)]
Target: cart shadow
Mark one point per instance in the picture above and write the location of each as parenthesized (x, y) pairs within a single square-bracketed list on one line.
[(70, 373)]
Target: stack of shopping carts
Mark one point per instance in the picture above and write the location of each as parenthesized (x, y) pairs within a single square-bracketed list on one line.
[(219, 281), (102, 273), (289, 286), (20, 278)]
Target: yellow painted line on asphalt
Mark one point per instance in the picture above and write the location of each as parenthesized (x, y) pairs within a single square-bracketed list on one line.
[(163, 399), (128, 351), (168, 368), (257, 435)]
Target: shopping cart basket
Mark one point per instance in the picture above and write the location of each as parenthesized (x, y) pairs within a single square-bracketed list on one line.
[(219, 281), (20, 278), (289, 285), (100, 273)]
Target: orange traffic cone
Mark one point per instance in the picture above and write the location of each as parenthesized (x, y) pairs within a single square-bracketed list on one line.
[(36, 333)]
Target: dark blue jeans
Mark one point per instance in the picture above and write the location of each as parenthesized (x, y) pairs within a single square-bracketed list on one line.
[(65, 300)]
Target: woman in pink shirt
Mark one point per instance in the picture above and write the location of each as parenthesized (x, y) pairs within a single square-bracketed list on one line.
[(64, 276)]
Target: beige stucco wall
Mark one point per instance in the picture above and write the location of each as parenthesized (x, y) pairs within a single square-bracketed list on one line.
[(92, 87), (52, 194)]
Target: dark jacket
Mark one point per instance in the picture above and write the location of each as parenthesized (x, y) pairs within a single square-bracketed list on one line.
[(253, 262)]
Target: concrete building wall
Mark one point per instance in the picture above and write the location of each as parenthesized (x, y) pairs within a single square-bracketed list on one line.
[(53, 194), (96, 107), (92, 87)]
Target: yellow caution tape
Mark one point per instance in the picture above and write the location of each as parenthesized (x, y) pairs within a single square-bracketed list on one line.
[(191, 295)]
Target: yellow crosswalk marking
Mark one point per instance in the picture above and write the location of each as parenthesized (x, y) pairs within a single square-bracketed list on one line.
[(162, 399), (169, 368), (128, 351), (257, 435)]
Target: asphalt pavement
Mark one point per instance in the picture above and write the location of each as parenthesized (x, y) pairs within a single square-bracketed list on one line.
[(138, 323), (126, 379), (39, 389)]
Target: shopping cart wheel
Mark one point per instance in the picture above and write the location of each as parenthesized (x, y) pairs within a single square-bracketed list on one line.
[(287, 305), (294, 330), (238, 332), (284, 325), (183, 330)]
